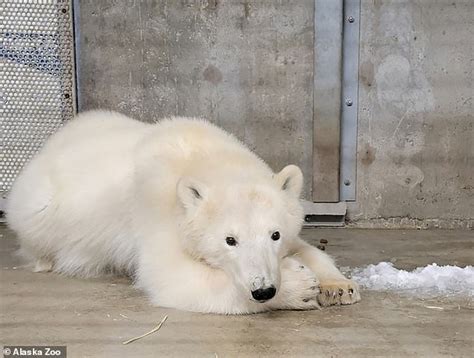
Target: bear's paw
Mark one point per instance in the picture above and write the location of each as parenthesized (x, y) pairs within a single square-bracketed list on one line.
[(338, 292), (299, 287)]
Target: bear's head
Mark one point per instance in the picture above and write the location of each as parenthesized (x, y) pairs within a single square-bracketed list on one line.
[(243, 226)]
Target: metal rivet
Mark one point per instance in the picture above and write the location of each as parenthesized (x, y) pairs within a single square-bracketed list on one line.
[(349, 102), (347, 182), (350, 19)]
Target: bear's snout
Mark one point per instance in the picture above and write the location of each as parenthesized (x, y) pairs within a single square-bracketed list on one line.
[(264, 294)]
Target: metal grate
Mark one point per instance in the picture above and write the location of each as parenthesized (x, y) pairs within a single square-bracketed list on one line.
[(36, 78)]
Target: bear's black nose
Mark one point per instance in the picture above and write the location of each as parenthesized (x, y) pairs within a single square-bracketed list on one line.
[(264, 294)]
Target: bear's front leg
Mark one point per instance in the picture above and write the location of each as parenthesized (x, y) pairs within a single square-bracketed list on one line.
[(335, 288)]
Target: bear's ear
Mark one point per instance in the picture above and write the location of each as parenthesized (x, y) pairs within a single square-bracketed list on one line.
[(290, 179), (191, 192)]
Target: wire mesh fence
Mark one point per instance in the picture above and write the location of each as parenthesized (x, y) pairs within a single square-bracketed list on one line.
[(36, 78)]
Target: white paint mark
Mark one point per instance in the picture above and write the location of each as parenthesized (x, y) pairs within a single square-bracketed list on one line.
[(399, 123), (401, 88)]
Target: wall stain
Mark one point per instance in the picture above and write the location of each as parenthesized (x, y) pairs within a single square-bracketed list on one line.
[(247, 9), (377, 4), (212, 74), (212, 4), (368, 155), (367, 73)]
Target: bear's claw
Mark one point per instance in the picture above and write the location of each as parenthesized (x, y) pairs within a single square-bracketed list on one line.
[(341, 292)]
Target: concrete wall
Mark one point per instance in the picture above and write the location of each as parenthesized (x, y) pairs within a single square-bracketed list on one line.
[(245, 65), (248, 66), (416, 126)]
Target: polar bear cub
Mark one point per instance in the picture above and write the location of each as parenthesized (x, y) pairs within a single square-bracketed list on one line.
[(198, 220)]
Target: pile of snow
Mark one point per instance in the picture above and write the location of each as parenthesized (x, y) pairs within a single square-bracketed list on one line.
[(430, 280)]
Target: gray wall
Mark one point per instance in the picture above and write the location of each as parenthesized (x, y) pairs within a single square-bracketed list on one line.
[(248, 66), (416, 135), (245, 65)]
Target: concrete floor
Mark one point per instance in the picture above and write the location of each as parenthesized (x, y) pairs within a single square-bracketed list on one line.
[(93, 317)]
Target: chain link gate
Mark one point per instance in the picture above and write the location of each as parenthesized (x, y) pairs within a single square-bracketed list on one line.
[(37, 79)]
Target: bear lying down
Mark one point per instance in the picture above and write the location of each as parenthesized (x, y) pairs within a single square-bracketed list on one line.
[(198, 220)]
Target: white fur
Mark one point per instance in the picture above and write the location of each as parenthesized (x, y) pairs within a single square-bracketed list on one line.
[(157, 201)]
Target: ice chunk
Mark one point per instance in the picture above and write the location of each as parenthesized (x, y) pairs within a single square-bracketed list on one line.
[(430, 280)]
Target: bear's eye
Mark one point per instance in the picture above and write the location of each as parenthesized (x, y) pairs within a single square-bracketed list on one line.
[(276, 236), (230, 241)]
